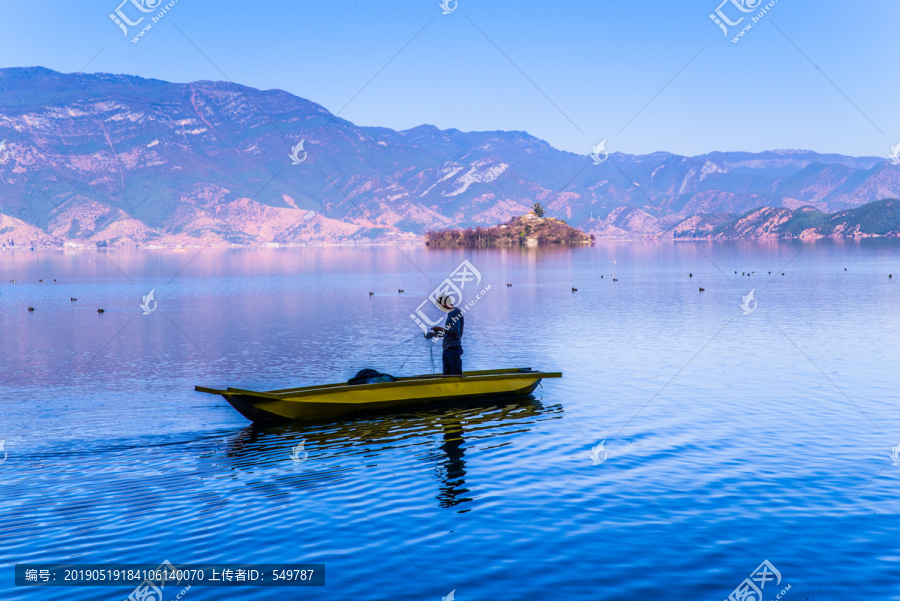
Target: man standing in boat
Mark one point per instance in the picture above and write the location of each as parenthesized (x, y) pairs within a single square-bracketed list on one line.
[(452, 334)]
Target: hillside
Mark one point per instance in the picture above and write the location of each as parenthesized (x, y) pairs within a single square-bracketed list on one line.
[(527, 230), (880, 218), (116, 160)]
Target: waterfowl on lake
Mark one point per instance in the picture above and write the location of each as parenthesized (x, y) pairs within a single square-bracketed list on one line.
[(71, 298), (400, 292), (31, 308), (574, 289), (101, 311), (371, 294), (702, 289)]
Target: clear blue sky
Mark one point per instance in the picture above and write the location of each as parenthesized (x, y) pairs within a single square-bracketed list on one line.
[(593, 65)]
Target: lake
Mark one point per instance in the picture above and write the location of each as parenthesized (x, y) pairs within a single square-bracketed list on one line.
[(734, 430)]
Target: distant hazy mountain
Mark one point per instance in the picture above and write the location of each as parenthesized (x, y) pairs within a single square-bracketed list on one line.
[(113, 159), (880, 218)]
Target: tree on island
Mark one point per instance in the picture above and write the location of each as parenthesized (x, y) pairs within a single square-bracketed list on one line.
[(538, 209)]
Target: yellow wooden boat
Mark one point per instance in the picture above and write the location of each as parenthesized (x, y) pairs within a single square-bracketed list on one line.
[(333, 400)]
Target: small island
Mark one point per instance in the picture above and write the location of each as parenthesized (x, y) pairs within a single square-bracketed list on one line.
[(531, 229)]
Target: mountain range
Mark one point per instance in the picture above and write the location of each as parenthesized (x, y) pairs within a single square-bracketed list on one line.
[(118, 160), (879, 218)]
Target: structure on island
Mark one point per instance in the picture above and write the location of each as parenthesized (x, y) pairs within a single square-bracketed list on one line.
[(531, 229)]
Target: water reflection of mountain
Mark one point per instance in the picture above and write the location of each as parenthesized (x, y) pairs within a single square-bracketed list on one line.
[(256, 449)]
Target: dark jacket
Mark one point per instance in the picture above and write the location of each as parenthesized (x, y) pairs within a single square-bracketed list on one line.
[(453, 329)]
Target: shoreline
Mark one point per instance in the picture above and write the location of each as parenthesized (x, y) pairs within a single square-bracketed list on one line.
[(270, 246)]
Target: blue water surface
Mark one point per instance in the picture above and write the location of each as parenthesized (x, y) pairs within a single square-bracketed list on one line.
[(729, 436)]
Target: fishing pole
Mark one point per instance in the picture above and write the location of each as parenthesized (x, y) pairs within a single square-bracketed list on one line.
[(402, 343), (407, 359), (369, 358)]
